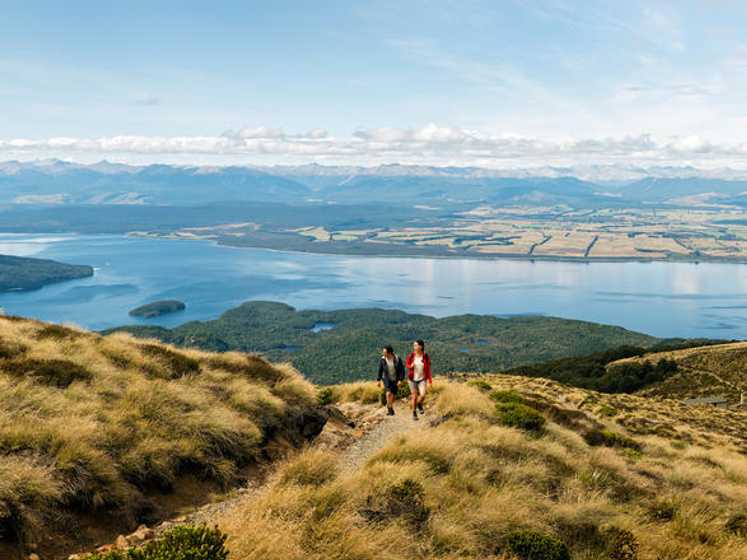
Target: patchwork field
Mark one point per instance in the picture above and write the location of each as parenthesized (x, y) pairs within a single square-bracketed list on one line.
[(517, 232)]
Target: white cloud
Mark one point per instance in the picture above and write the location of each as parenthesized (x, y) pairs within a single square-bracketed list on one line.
[(431, 144)]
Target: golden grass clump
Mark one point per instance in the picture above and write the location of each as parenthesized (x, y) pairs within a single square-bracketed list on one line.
[(106, 424), (462, 485)]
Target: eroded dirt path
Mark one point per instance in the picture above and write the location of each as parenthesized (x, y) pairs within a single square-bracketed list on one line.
[(357, 434)]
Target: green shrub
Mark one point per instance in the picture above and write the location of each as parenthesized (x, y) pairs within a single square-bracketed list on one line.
[(180, 543), (325, 396), (480, 384), (509, 397), (405, 501), (530, 545), (606, 410), (607, 438), (176, 364), (403, 391), (520, 416), (621, 544), (55, 373)]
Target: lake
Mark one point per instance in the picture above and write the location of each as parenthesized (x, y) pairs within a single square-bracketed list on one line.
[(663, 299)]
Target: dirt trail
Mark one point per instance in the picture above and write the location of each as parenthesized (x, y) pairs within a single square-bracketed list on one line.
[(356, 434), (373, 430), (356, 454)]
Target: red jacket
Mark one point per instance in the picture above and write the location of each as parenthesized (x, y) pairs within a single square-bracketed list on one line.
[(426, 367)]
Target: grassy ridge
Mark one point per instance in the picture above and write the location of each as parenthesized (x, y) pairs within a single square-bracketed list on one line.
[(590, 482), (613, 371), (105, 428), (350, 351)]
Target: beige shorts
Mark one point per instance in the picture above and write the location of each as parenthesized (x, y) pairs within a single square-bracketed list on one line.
[(417, 386)]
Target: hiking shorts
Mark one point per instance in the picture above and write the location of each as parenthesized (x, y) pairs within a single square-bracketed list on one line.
[(417, 386), (390, 386)]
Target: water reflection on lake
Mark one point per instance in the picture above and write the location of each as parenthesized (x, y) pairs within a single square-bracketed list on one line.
[(665, 299)]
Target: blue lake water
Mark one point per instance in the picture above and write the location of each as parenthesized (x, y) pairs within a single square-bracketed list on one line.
[(663, 299)]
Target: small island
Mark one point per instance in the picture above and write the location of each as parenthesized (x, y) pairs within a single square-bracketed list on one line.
[(24, 273), (158, 308)]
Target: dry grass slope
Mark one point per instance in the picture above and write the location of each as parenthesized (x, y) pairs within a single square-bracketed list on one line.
[(606, 477), (99, 432), (704, 371)]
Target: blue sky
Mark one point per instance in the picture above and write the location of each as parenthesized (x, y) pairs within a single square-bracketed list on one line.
[(496, 83)]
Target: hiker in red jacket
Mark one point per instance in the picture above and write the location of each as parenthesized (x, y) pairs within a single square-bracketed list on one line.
[(418, 376)]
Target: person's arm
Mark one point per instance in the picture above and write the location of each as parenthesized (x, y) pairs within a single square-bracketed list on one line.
[(380, 376), (427, 369), (400, 370)]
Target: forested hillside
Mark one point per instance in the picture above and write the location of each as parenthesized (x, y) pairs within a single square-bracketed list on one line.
[(346, 344)]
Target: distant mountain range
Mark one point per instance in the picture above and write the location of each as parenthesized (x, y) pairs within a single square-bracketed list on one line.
[(54, 182)]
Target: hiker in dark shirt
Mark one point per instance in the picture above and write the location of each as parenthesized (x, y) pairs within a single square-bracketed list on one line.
[(391, 372)]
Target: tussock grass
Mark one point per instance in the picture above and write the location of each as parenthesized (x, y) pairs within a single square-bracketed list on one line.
[(466, 485), (105, 424)]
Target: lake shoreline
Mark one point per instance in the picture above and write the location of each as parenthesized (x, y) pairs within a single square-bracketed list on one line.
[(394, 251), (685, 300)]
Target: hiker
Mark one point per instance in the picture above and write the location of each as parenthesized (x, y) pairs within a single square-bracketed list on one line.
[(391, 372), (418, 375)]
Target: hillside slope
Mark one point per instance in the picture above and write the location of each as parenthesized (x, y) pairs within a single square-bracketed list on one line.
[(98, 434), (511, 468), (714, 370), (344, 345)]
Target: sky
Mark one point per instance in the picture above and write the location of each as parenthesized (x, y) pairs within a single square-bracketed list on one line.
[(501, 83)]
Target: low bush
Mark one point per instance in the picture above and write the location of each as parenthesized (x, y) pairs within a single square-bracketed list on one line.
[(180, 543), (55, 373), (325, 396), (608, 438), (507, 397), (480, 384), (520, 416), (530, 545), (514, 412), (606, 410)]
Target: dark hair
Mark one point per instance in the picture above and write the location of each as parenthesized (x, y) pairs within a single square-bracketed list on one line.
[(389, 349), (420, 343)]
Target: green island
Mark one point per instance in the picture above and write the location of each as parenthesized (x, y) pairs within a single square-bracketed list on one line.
[(158, 308), (344, 345), (24, 273)]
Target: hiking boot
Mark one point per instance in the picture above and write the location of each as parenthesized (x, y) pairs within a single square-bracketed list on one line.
[(414, 415), (390, 411), (420, 408)]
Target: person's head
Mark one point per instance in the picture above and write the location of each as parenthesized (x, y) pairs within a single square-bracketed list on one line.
[(418, 346), (388, 351)]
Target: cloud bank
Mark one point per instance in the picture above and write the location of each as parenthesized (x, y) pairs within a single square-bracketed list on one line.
[(431, 144)]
